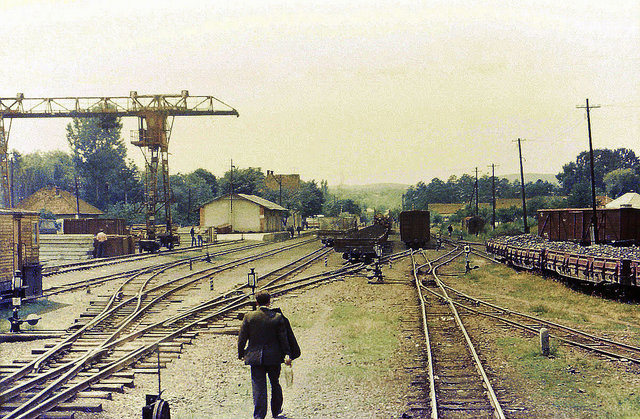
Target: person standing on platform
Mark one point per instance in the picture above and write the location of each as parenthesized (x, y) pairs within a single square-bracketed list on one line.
[(193, 236), (264, 334), (199, 234), (101, 240)]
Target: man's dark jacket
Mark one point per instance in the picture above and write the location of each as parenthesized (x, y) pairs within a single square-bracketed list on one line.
[(268, 344)]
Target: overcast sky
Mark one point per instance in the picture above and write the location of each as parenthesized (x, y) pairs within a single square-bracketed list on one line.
[(349, 91)]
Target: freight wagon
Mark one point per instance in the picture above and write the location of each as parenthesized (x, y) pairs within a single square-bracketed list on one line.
[(415, 228), (600, 264), (614, 224), (361, 245), (336, 227), (19, 252)]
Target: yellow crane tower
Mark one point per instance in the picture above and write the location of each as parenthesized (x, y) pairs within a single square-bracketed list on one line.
[(153, 134)]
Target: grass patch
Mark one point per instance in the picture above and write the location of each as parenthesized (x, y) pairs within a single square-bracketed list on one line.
[(576, 385), (368, 338), (35, 307)]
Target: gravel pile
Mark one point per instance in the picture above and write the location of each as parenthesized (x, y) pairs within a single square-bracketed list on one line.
[(601, 250)]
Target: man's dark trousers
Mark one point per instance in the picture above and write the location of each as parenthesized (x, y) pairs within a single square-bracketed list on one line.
[(259, 385)]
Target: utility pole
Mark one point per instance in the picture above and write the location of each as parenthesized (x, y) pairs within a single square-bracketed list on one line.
[(75, 178), (476, 212), (524, 198), (189, 207), (493, 196), (594, 218), (231, 198)]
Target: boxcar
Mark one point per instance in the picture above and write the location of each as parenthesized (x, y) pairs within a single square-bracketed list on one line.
[(19, 251), (415, 230), (572, 224)]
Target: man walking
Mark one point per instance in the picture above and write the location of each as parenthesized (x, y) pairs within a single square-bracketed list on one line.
[(267, 348)]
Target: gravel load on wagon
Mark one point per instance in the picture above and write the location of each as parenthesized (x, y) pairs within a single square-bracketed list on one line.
[(532, 241)]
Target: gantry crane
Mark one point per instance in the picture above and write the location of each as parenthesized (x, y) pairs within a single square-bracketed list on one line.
[(152, 136)]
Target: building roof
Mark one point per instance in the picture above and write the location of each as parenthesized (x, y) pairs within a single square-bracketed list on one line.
[(253, 198), (628, 200), (58, 201)]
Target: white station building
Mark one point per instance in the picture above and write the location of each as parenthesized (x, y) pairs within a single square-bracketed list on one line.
[(243, 213)]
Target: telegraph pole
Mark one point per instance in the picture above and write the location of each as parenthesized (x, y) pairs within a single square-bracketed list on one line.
[(524, 198), (493, 195), (594, 218), (476, 213)]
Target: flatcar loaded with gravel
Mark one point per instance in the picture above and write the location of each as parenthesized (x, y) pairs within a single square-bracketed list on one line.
[(19, 252), (599, 264)]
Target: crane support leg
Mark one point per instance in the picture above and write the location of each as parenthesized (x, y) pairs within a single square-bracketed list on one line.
[(4, 166)]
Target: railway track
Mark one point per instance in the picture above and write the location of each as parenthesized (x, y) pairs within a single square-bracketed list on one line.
[(143, 316), (94, 263), (72, 286), (533, 325), (458, 383)]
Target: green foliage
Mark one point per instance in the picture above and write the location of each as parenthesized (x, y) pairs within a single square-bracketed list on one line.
[(311, 199), (580, 196), (34, 171), (132, 213), (247, 181), (99, 156), (605, 161), (462, 189), (335, 208), (621, 181), (190, 192)]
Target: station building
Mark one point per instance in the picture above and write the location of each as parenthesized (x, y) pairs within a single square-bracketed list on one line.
[(243, 213), (61, 203)]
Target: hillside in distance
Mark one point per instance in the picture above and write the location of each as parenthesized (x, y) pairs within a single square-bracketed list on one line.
[(381, 196)]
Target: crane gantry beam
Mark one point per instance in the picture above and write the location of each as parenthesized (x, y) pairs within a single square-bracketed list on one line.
[(152, 135), (120, 106)]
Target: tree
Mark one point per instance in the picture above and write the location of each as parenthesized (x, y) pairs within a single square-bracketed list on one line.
[(311, 199), (580, 196), (99, 156), (339, 206), (605, 161), (190, 192), (34, 171), (247, 181), (621, 181)]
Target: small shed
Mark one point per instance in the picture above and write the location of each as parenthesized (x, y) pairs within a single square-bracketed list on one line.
[(61, 203), (19, 250), (244, 213)]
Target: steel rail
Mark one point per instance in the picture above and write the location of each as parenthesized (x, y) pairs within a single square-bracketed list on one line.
[(80, 362), (550, 324), (433, 402), (95, 263), (101, 279), (493, 399), (140, 352), (107, 311)]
